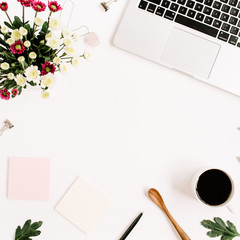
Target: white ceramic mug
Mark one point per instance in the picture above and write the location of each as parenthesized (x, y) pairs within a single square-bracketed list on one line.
[(208, 190)]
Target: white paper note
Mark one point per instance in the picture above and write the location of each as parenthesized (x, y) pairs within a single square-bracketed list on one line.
[(83, 205)]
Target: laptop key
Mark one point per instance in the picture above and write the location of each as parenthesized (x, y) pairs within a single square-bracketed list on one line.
[(189, 22), (233, 40), (238, 44), (174, 6), (143, 5), (225, 27), (200, 17), (223, 36), (182, 10), (217, 23), (234, 11), (198, 7), (207, 10), (165, 3), (233, 20), (208, 20), (169, 15), (217, 5), (190, 4), (216, 13), (234, 30), (151, 8), (238, 23), (233, 2), (191, 13), (225, 8), (160, 11), (224, 17), (208, 2), (224, 1), (181, 2)]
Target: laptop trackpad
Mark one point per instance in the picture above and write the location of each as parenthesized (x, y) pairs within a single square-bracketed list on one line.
[(189, 53)]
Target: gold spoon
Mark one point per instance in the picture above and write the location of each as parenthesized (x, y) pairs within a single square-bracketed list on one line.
[(157, 199)]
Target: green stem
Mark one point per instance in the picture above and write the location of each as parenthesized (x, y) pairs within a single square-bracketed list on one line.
[(23, 15), (50, 14), (8, 17), (59, 50), (34, 25)]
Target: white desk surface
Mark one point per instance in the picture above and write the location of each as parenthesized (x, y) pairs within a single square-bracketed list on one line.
[(124, 124)]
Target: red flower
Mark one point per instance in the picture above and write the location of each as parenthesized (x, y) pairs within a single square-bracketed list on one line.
[(54, 6), (26, 3), (17, 47), (38, 6), (4, 6), (14, 91), (4, 94), (47, 67)]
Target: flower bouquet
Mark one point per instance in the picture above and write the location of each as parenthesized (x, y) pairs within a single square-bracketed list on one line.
[(30, 53)]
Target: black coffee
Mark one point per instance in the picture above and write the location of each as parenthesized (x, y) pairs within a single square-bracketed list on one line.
[(214, 187)]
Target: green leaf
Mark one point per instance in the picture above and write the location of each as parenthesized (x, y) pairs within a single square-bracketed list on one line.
[(28, 230), (219, 228), (44, 27), (9, 25), (17, 22)]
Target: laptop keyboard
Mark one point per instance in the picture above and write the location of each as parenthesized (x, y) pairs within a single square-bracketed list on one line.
[(217, 18)]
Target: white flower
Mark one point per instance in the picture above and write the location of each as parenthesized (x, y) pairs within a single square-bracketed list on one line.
[(32, 73), (56, 60), (20, 80), (45, 94), (54, 24), (21, 59), (71, 51), (63, 68), (10, 41), (16, 35), (47, 80), (42, 42), (86, 55), (32, 55), (48, 35), (75, 37), (27, 43), (53, 42), (75, 61), (38, 21), (10, 76), (23, 31), (4, 29), (5, 66), (67, 41), (66, 32)]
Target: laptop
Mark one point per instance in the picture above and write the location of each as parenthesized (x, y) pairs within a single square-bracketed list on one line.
[(200, 38)]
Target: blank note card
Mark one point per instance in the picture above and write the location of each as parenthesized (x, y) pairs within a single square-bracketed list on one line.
[(83, 205), (28, 178)]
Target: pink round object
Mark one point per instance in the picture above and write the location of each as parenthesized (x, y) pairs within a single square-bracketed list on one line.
[(91, 39)]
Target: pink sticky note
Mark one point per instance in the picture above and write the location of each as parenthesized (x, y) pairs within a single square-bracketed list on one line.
[(28, 178)]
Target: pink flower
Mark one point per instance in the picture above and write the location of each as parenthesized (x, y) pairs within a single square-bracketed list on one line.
[(17, 47), (4, 94), (47, 67), (26, 3), (4, 6), (38, 6), (54, 6), (14, 91)]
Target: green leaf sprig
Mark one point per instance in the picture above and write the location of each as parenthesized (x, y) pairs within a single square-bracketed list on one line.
[(218, 228), (28, 230)]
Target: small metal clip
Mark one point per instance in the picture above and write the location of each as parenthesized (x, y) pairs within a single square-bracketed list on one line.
[(106, 4), (7, 125)]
